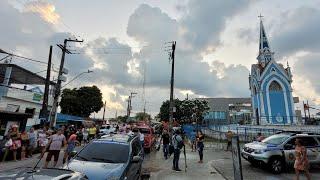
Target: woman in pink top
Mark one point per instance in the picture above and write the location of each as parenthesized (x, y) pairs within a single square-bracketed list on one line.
[(301, 163)]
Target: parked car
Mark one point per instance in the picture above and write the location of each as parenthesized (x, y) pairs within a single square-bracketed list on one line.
[(278, 151), (113, 157), (149, 136), (106, 129), (40, 174)]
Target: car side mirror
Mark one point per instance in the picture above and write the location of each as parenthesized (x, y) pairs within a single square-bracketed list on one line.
[(73, 153), (136, 159)]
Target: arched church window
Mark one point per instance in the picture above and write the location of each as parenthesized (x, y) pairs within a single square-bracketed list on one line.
[(275, 86)]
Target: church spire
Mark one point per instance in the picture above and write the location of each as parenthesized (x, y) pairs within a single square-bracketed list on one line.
[(263, 37), (265, 54)]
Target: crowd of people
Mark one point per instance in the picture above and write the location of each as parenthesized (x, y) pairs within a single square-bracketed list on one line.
[(22, 144), (46, 140)]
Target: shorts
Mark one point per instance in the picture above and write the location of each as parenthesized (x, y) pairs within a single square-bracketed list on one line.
[(70, 148), (54, 153)]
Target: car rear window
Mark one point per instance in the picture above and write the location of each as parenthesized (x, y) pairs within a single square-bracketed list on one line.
[(104, 151), (144, 130)]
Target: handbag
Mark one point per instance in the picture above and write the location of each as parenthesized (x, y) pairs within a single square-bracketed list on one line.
[(9, 143)]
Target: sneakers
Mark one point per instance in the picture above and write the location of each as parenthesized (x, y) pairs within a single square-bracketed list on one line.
[(178, 170)]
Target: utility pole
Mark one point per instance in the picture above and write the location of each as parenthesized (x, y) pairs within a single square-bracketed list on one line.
[(129, 108), (44, 109), (304, 110), (172, 56), (60, 79), (104, 109), (308, 110)]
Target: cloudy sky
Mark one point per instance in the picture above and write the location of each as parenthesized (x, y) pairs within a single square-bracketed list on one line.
[(125, 43)]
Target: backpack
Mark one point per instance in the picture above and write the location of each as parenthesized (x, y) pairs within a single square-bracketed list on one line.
[(180, 144)]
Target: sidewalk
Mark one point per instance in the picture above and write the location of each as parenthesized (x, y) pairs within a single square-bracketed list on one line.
[(29, 162), (161, 169)]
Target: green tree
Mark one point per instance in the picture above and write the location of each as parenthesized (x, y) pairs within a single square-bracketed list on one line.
[(81, 102), (122, 119), (164, 110), (140, 116), (193, 110)]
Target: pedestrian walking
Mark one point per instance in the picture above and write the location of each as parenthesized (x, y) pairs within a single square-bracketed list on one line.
[(229, 136), (32, 142), (42, 141), (24, 143), (165, 143), (200, 145), (177, 143), (56, 142), (141, 138), (193, 141), (70, 147), (7, 146), (79, 135), (301, 163), (85, 133), (259, 137), (92, 132)]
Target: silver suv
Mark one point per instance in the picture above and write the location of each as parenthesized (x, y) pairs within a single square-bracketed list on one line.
[(278, 151)]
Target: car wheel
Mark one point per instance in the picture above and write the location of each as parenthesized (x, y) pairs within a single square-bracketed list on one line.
[(276, 165)]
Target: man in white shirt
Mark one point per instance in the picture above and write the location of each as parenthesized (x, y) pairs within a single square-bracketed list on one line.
[(141, 138)]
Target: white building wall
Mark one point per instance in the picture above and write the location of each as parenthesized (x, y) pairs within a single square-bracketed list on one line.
[(24, 99)]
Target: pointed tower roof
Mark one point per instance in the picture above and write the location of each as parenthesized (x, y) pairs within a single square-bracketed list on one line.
[(265, 54), (263, 38)]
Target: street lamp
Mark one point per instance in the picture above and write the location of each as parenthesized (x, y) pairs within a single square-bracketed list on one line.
[(77, 76)]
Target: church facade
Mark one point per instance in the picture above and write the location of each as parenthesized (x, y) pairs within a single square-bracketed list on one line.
[(270, 85)]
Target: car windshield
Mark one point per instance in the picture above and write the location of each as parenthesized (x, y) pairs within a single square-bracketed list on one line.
[(144, 130), (276, 139), (105, 151)]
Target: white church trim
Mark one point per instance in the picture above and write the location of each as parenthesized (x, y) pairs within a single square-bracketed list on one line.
[(265, 105), (284, 96)]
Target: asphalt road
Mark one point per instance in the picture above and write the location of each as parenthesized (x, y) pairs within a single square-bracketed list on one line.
[(222, 162), (159, 168)]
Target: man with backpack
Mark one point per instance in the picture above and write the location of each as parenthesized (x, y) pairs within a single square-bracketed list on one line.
[(178, 144)]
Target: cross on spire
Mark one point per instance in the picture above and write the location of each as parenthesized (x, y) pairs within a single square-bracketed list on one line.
[(260, 16)]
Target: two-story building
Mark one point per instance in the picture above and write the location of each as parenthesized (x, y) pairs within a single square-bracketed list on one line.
[(21, 97)]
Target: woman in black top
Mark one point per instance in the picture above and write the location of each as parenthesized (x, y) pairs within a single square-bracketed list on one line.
[(200, 145)]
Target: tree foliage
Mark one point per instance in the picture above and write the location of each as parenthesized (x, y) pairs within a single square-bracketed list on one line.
[(81, 102), (140, 116), (164, 110), (187, 111)]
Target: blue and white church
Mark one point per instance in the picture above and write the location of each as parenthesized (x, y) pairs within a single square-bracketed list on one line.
[(270, 85)]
